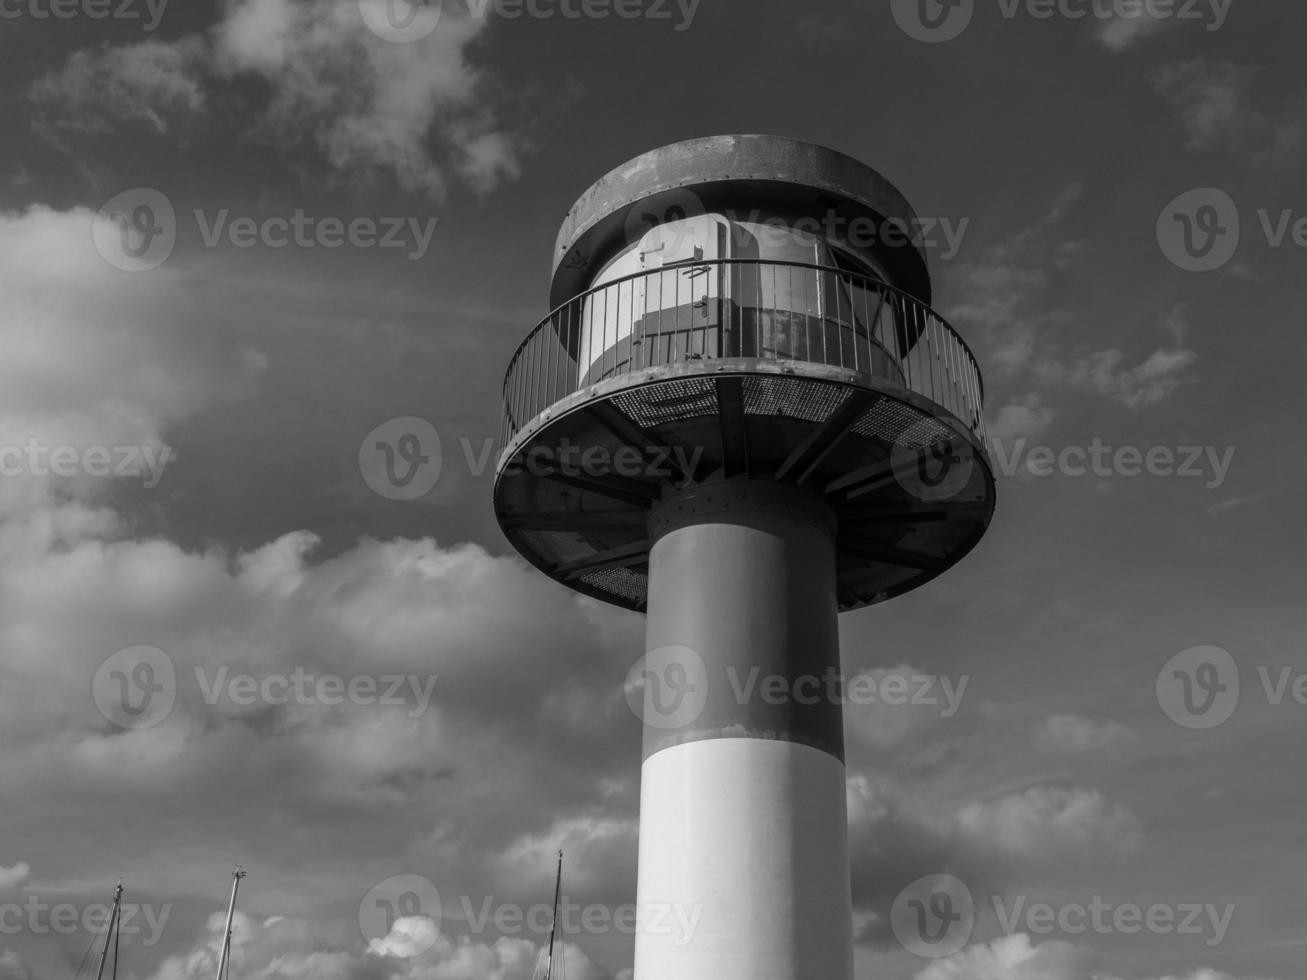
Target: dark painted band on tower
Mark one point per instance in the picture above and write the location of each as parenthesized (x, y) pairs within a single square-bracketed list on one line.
[(742, 634)]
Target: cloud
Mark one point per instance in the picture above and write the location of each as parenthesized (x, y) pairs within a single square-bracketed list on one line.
[(891, 845), (1005, 314), (13, 877), (924, 702), (1008, 318), (12, 968), (1216, 105), (94, 357), (1234, 503), (1075, 734), (409, 935), (98, 89), (415, 949), (1011, 957), (1210, 96), (1050, 826), (1015, 957), (985, 844), (1027, 417), (367, 102), (416, 110), (1118, 32), (1141, 386), (523, 685)]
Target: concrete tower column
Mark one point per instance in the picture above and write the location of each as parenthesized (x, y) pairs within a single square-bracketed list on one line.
[(752, 410), (743, 821)]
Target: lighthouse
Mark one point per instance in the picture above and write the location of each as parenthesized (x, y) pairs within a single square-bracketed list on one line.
[(742, 418)]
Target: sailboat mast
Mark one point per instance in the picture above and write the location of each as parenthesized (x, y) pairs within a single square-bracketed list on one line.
[(110, 929), (236, 877), (553, 928)]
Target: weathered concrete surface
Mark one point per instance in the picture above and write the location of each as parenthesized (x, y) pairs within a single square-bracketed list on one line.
[(731, 172)]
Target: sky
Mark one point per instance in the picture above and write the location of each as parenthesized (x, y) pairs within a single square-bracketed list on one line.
[(188, 503)]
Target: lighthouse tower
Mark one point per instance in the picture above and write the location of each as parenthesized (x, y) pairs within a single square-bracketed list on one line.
[(741, 419)]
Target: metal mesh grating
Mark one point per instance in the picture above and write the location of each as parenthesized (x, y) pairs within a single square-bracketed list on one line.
[(558, 546), (888, 420), (779, 408), (668, 402), (619, 582), (796, 399)]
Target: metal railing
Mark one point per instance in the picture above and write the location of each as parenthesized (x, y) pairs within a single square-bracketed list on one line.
[(742, 308)]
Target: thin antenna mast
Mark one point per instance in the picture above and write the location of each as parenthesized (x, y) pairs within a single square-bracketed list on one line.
[(553, 928), (236, 877), (110, 929)]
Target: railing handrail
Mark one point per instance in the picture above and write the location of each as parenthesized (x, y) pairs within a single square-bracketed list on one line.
[(879, 284)]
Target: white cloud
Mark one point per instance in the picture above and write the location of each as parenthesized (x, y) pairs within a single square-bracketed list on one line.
[(13, 877), (368, 103), (99, 89), (1076, 734), (1015, 957), (12, 968), (1211, 96), (1011, 957), (94, 357), (414, 110), (1003, 314), (1119, 32), (1027, 417), (1234, 503), (1216, 103), (414, 950), (1141, 386), (410, 935), (1007, 317), (1051, 826)]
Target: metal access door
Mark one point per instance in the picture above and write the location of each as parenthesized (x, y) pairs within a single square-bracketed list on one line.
[(663, 303)]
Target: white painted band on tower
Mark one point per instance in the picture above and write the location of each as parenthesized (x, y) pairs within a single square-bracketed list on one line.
[(746, 840), (743, 819)]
